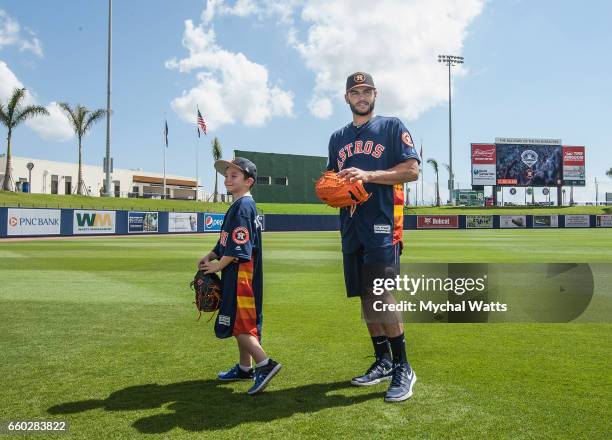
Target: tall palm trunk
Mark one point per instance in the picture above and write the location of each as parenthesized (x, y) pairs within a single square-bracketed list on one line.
[(437, 189), (215, 196), (81, 184), (7, 185)]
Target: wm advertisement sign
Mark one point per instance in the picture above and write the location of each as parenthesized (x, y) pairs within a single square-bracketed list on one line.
[(93, 222)]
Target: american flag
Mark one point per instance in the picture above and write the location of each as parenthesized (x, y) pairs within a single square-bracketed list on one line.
[(201, 123)]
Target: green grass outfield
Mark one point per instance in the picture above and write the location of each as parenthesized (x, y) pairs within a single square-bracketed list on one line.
[(101, 332), (74, 201)]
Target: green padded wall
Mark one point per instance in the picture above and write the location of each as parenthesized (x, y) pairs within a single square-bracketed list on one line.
[(301, 173)]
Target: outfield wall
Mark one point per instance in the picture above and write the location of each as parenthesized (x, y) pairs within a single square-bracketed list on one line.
[(32, 222)]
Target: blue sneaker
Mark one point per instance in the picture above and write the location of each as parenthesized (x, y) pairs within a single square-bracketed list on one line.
[(236, 373), (263, 375), (401, 385), (381, 369)]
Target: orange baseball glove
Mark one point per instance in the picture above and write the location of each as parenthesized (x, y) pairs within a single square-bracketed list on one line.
[(340, 192)]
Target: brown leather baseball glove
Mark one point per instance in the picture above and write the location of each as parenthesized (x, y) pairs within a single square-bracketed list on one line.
[(208, 290), (339, 192)]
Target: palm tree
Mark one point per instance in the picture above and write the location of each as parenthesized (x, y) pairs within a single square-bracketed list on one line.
[(11, 116), (434, 165), (451, 177), (609, 172), (81, 120), (216, 154)]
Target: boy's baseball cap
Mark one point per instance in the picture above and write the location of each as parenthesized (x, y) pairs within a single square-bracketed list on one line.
[(244, 165), (359, 79)]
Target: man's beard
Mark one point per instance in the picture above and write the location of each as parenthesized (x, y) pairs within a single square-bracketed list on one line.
[(362, 113)]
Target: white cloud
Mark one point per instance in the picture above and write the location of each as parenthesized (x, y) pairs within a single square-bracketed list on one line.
[(230, 88), (240, 8), (282, 10), (8, 82), (55, 126), (321, 107), (397, 41), (33, 45), (10, 35)]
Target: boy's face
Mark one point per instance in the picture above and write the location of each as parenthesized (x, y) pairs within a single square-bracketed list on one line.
[(235, 182)]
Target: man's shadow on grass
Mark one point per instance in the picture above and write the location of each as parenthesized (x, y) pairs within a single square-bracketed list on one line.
[(209, 405)]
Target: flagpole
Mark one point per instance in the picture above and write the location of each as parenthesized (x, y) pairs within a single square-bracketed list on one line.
[(197, 174), (197, 153), (107, 178), (199, 124), (165, 147)]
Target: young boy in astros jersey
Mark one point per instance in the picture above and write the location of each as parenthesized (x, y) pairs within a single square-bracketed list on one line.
[(379, 151), (239, 255)]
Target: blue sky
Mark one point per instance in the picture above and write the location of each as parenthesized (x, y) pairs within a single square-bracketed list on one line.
[(268, 75)]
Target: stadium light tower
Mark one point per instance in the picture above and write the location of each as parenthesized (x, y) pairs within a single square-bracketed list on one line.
[(107, 178), (450, 60)]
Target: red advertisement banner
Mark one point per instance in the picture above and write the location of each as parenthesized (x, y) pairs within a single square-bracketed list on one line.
[(573, 156), (483, 154), (437, 222)]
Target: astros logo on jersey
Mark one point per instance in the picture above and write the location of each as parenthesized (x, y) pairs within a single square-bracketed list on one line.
[(407, 139), (240, 235)]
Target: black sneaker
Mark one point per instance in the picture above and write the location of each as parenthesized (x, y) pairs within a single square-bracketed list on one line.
[(401, 385), (263, 375), (236, 373), (381, 369)]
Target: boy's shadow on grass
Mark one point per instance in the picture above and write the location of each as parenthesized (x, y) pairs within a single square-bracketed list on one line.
[(208, 405)]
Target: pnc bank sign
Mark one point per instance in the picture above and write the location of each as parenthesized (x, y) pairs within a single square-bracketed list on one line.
[(26, 221), (93, 222)]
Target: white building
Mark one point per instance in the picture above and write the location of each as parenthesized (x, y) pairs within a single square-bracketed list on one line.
[(50, 177)]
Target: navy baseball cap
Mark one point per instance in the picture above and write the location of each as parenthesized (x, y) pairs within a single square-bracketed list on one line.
[(244, 165), (359, 79)]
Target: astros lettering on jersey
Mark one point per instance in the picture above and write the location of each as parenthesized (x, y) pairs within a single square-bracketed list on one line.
[(379, 144)]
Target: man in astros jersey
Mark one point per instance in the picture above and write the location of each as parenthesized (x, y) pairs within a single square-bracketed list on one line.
[(379, 151)]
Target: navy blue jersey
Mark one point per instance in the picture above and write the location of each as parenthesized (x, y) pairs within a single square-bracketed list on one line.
[(379, 144), (241, 305)]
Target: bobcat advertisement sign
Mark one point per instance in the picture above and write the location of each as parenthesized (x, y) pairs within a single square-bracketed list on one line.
[(437, 222)]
